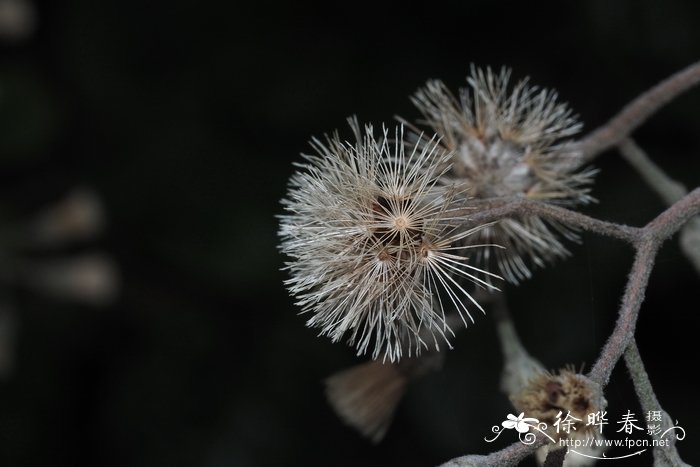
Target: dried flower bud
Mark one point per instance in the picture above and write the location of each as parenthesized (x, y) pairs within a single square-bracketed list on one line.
[(519, 367), (373, 243), (566, 391), (548, 397), (509, 142), (565, 395)]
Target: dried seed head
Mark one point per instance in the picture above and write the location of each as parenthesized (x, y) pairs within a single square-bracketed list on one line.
[(509, 142), (566, 391), (373, 244)]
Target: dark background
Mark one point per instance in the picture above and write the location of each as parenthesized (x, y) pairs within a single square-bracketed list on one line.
[(186, 117)]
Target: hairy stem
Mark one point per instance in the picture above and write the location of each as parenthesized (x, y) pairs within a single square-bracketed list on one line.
[(637, 111), (627, 318), (670, 191), (640, 379), (673, 218), (555, 458), (666, 456), (667, 188), (507, 456), (497, 209)]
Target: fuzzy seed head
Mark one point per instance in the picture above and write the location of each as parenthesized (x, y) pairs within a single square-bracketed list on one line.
[(509, 141), (375, 254)]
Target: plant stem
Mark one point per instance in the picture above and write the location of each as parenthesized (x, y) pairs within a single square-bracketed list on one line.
[(637, 112), (670, 190), (663, 456), (627, 318)]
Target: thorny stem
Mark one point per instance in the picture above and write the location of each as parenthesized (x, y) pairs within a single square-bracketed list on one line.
[(646, 242), (636, 112), (668, 189)]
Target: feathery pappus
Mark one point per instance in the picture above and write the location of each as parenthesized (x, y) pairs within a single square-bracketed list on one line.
[(366, 396), (509, 141), (376, 254)]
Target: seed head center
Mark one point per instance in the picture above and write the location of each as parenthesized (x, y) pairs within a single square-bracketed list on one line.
[(401, 223)]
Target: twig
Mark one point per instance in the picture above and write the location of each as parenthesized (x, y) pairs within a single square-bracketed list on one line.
[(555, 458), (650, 239), (673, 218), (507, 456), (500, 208), (669, 190), (636, 112), (640, 379), (663, 456), (627, 319)]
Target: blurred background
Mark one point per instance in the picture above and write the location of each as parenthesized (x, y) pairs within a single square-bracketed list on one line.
[(144, 147)]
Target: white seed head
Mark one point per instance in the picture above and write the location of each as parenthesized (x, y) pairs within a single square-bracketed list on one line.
[(509, 141), (373, 244)]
